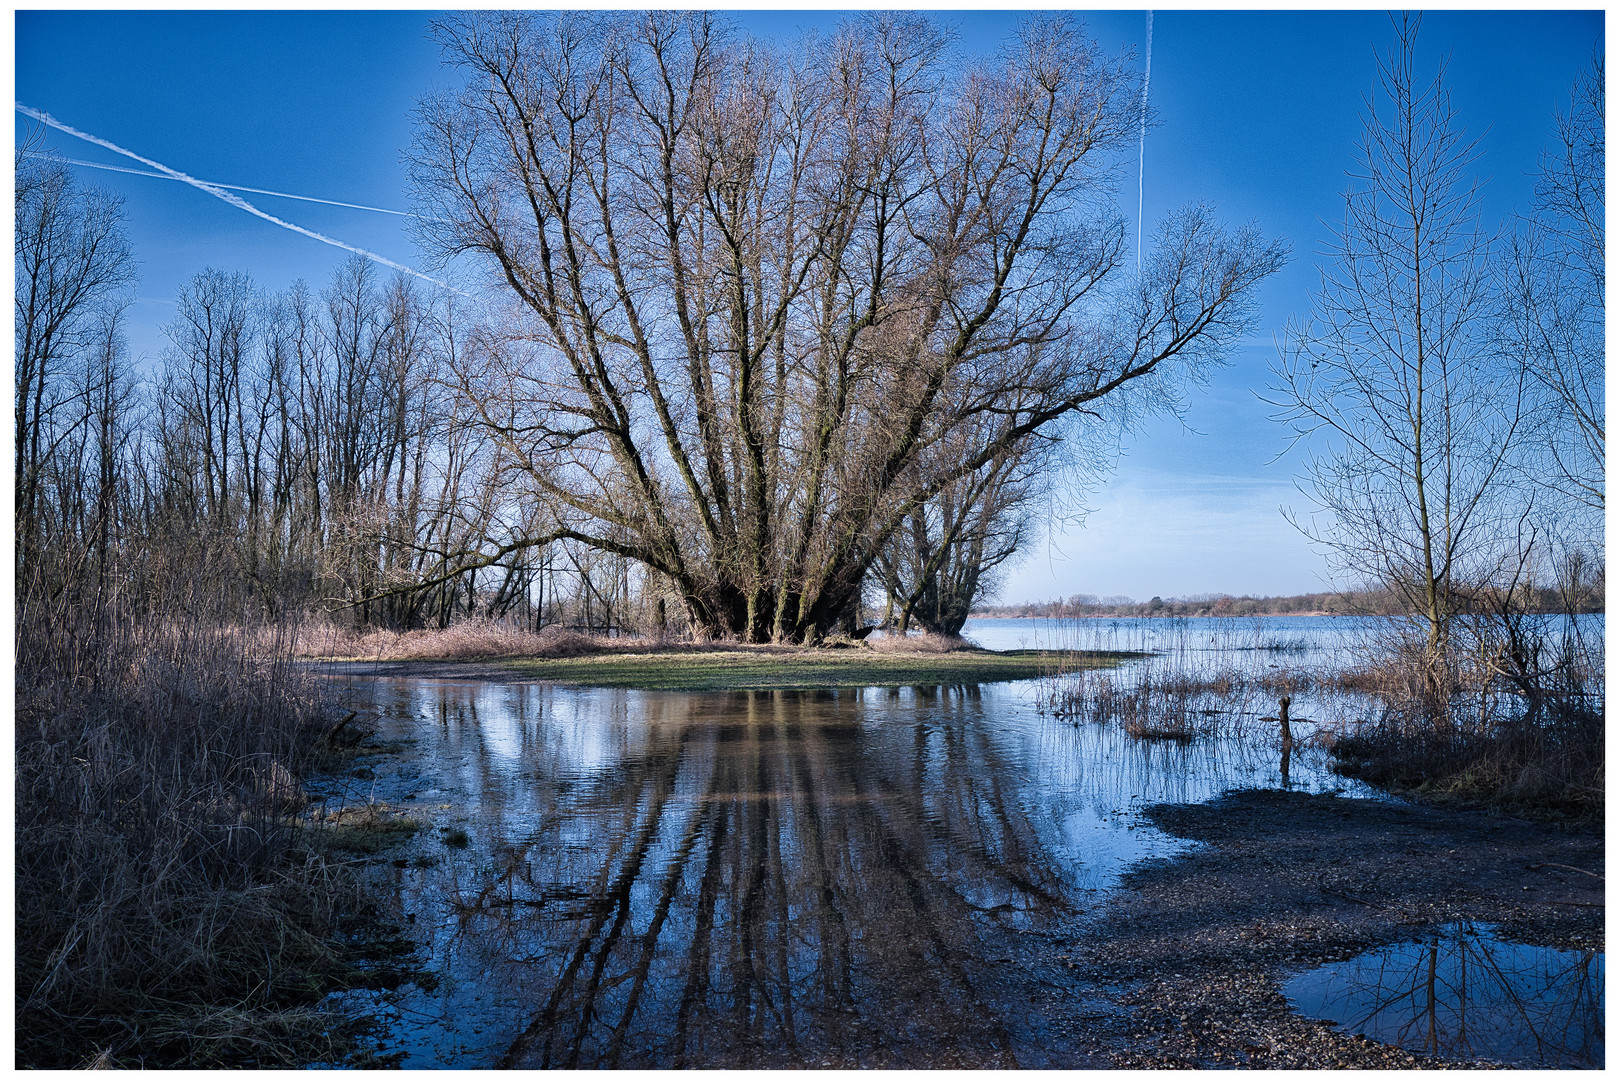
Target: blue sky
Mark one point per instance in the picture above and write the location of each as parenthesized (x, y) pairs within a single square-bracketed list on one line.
[(1259, 115)]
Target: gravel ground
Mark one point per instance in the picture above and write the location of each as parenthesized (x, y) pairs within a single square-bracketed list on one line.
[(1198, 946)]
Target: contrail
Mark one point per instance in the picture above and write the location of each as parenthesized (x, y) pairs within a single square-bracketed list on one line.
[(215, 183), (220, 193), (1141, 153)]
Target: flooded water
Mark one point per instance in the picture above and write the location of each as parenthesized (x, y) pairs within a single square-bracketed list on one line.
[(881, 877), (1465, 993), (1307, 639), (1309, 642)]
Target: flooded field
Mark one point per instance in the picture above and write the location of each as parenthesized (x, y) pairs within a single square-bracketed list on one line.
[(890, 877), (876, 877)]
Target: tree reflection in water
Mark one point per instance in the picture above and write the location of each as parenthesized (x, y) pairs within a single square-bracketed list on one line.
[(764, 878), (1466, 994)]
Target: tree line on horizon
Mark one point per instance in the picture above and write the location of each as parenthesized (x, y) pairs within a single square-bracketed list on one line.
[(1588, 600)]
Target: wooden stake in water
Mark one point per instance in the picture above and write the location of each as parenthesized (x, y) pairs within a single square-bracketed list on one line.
[(1287, 732)]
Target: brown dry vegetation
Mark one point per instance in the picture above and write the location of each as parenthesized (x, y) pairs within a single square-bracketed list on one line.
[(496, 639), (466, 639), (172, 909), (1517, 721), (920, 643)]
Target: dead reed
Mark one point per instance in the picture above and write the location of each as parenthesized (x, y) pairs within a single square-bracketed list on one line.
[(465, 639), (170, 910), (1197, 678), (919, 643), (1482, 728)]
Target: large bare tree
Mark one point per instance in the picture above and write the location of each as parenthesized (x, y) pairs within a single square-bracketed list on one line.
[(755, 287)]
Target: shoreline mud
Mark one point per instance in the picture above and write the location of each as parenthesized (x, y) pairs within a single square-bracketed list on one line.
[(1197, 946)]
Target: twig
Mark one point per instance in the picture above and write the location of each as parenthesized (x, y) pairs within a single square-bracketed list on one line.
[(1562, 866), (1347, 896)]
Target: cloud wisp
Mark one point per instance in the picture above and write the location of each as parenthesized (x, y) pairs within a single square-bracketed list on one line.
[(219, 192), (217, 184)]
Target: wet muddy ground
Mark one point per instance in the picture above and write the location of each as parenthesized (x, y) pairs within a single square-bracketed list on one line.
[(1198, 946)]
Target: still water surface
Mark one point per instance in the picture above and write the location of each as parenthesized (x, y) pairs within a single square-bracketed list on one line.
[(1300, 634), (879, 877), (1463, 992), (1308, 641)]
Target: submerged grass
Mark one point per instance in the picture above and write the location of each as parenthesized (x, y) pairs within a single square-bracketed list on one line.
[(1528, 739), (363, 830), (1192, 681)]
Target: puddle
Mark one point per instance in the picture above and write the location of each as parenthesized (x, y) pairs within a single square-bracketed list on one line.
[(1464, 993), (882, 877)]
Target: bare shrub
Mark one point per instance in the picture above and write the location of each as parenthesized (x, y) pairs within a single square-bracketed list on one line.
[(1499, 732)]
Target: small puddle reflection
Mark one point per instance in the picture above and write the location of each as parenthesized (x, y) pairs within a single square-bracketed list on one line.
[(1465, 993)]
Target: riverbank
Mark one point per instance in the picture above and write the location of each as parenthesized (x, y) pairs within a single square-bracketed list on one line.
[(744, 667), (1197, 947)]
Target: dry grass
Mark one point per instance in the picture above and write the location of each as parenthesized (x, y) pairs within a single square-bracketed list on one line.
[(923, 644), (1553, 767), (490, 639), (170, 908), (1189, 686), (469, 639), (1464, 733)]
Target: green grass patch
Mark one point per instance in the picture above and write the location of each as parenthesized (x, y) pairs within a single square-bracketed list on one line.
[(778, 668), (365, 830)]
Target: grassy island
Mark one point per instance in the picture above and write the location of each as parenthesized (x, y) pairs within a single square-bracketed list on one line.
[(762, 668), (649, 665)]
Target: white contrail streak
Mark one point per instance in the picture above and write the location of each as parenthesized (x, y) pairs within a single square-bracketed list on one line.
[(1141, 153), (216, 183), (220, 193)]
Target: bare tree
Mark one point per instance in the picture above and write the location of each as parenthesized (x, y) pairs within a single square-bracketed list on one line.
[(754, 289), (72, 263), (206, 377), (944, 558), (110, 426), (1555, 305), (1398, 371)]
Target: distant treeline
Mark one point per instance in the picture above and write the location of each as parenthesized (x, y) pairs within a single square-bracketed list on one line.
[(1217, 605)]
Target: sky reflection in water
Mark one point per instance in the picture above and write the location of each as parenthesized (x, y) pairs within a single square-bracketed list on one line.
[(1465, 993), (877, 876)]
